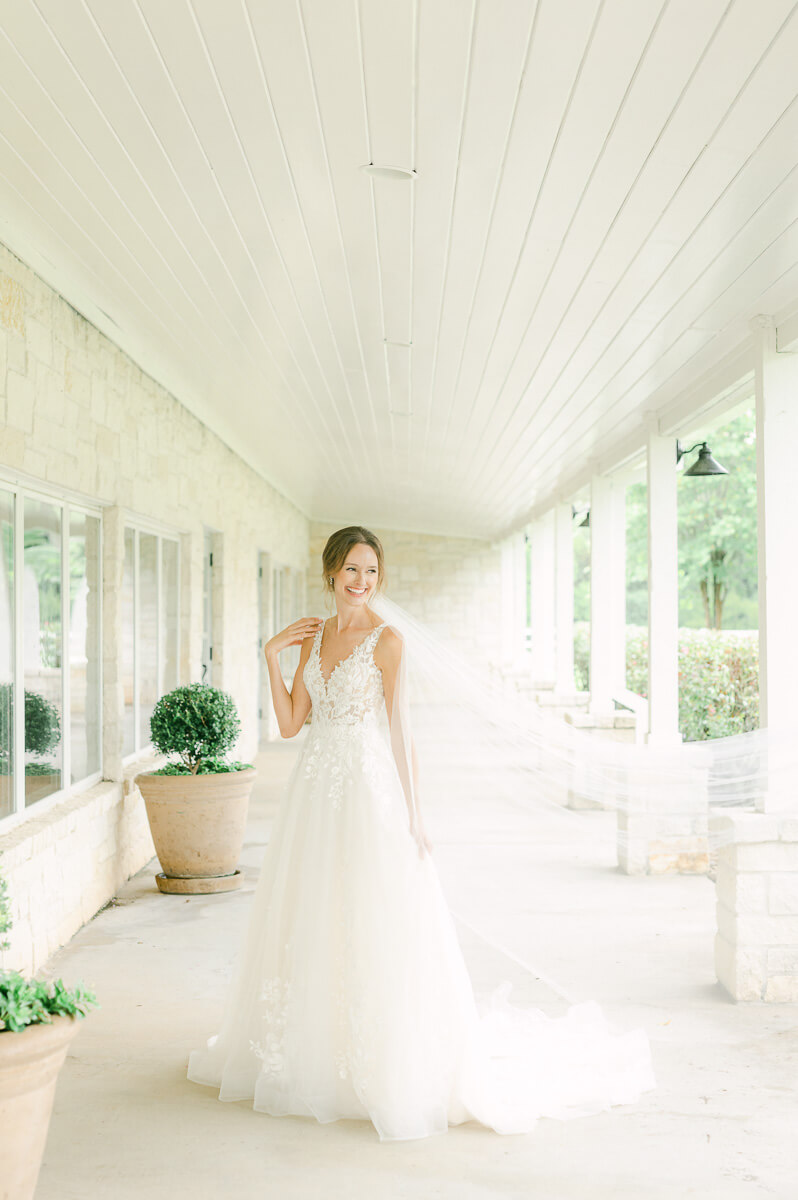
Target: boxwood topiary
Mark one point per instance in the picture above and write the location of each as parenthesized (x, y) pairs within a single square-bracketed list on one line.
[(199, 723), (42, 727)]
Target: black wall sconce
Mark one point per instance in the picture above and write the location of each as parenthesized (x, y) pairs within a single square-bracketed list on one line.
[(705, 464)]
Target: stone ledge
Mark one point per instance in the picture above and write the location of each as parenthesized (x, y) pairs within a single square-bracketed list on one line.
[(750, 828), (39, 830), (64, 864), (587, 720), (568, 700)]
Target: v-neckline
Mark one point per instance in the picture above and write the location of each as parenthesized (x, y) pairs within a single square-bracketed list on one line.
[(346, 656)]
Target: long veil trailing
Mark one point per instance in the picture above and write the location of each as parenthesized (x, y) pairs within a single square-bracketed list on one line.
[(452, 719), (352, 996)]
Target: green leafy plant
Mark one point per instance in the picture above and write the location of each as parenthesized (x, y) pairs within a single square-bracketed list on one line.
[(199, 723), (5, 913), (25, 1002), (717, 537), (208, 766)]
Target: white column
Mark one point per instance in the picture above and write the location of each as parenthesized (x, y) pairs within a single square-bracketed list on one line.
[(541, 536), (776, 384), (519, 595), (563, 599), (513, 598), (607, 592), (663, 593), (756, 946)]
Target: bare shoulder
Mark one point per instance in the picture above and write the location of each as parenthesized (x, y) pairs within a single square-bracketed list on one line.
[(305, 649), (389, 648)]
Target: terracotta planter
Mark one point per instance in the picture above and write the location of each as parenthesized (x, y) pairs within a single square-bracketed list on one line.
[(197, 824), (29, 1066)]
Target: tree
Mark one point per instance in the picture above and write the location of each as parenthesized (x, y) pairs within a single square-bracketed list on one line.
[(717, 538)]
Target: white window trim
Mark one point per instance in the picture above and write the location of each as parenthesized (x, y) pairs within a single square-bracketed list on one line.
[(162, 533), (22, 488)]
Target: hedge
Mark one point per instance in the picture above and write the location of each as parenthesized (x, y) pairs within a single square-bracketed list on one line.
[(718, 677)]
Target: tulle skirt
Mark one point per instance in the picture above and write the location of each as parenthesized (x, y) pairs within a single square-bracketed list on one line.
[(350, 996)]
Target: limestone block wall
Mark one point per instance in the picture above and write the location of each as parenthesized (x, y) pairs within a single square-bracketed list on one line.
[(77, 413), (451, 584), (65, 865), (756, 945)]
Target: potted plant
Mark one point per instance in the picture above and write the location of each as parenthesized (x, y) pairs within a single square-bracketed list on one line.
[(197, 806), (42, 735), (38, 1020)]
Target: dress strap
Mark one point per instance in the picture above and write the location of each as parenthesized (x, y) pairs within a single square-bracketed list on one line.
[(370, 640)]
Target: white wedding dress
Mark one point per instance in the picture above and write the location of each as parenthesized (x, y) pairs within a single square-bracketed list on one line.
[(351, 997)]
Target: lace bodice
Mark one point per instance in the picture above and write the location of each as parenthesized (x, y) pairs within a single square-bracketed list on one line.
[(353, 694)]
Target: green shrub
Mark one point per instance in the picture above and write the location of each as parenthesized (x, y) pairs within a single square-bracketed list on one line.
[(199, 723), (42, 724), (718, 683), (208, 766), (26, 1002), (582, 655), (637, 659), (718, 677), (5, 913)]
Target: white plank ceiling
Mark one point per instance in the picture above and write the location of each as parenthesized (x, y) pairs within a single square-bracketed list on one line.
[(604, 193)]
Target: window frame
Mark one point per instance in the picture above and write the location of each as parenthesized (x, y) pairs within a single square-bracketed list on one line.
[(68, 502), (162, 533)]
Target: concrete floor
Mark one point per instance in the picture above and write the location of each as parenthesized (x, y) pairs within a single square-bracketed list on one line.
[(722, 1122)]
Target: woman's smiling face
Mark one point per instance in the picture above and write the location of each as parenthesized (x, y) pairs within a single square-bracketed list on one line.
[(357, 579)]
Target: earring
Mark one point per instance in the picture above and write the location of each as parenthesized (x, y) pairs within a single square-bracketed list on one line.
[(330, 579)]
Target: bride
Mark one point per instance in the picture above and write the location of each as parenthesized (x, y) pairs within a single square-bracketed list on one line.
[(350, 997)]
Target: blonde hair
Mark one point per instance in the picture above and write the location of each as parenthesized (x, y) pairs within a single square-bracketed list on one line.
[(338, 546)]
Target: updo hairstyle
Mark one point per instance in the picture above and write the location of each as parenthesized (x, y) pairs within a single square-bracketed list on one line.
[(338, 546)]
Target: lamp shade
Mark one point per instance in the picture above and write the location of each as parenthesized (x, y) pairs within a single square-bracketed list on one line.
[(705, 464)]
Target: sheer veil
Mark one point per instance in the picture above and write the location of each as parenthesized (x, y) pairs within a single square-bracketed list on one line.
[(454, 722)]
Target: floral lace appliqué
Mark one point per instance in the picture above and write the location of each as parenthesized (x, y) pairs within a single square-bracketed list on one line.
[(276, 997), (345, 707)]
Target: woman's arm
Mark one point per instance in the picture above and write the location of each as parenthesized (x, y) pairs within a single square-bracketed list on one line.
[(291, 708), (388, 657)]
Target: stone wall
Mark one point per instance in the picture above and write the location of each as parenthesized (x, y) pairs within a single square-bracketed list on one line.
[(79, 414), (65, 864), (451, 584), (756, 946)]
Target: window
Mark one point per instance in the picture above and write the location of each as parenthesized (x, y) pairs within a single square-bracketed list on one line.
[(150, 633), (6, 653), (207, 611), (127, 654), (50, 638), (288, 600), (85, 661)]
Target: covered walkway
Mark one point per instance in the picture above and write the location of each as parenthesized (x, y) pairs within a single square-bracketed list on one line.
[(720, 1124)]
